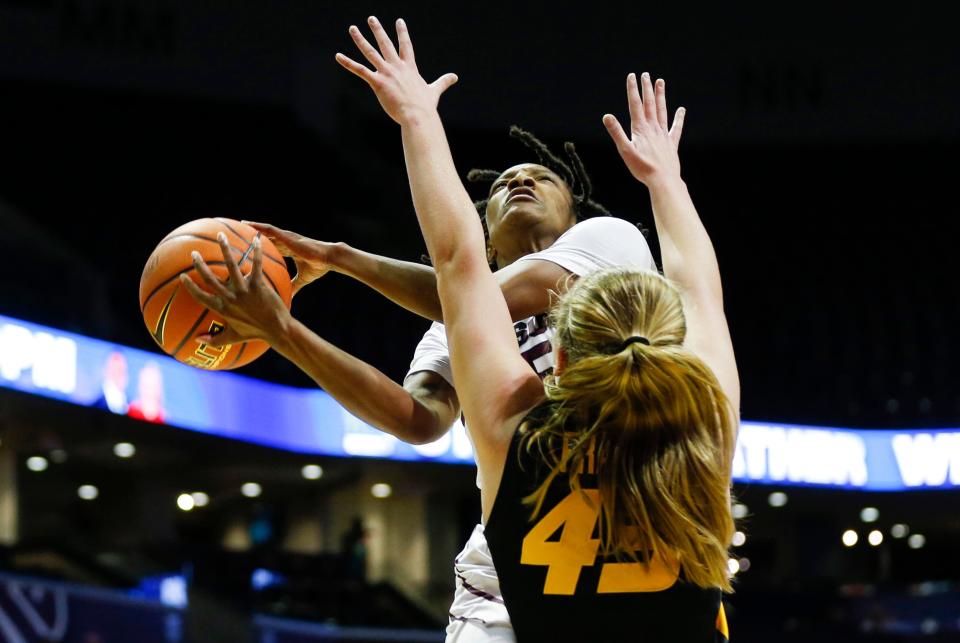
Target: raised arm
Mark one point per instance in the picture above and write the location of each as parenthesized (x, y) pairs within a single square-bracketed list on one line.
[(650, 153), (420, 411), (494, 383)]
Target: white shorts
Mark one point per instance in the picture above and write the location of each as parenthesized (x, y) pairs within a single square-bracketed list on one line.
[(478, 613)]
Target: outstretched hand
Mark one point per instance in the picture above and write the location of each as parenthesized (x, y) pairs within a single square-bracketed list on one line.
[(252, 309), (651, 148), (395, 79)]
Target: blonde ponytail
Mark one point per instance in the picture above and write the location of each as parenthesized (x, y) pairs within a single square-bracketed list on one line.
[(653, 414)]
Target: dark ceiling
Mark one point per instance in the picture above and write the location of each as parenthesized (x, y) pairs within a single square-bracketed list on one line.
[(819, 148)]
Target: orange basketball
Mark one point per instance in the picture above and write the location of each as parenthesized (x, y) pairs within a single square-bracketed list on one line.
[(174, 318)]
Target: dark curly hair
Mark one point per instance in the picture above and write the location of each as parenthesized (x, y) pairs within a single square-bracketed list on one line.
[(574, 173)]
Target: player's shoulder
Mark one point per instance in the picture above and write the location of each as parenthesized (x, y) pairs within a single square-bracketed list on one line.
[(434, 337), (603, 226), (606, 242)]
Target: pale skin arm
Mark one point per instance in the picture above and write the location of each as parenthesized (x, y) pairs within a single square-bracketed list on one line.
[(689, 259), (419, 412), (495, 385)]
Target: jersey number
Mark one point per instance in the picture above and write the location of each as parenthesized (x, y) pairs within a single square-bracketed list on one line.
[(576, 549)]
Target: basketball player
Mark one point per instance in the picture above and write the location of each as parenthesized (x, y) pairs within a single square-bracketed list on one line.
[(477, 612), (542, 207), (634, 434)]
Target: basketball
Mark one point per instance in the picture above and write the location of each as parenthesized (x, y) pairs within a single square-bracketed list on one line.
[(174, 318)]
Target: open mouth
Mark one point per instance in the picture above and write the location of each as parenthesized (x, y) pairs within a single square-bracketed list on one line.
[(521, 194)]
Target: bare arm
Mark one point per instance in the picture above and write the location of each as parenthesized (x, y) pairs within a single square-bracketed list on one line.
[(650, 154), (413, 286), (494, 383), (419, 412)]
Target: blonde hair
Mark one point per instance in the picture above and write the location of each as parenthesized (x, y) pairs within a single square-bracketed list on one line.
[(653, 414)]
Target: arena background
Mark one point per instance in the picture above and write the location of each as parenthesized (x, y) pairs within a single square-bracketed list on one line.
[(819, 147)]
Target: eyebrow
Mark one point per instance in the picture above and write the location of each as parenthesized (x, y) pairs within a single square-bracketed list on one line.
[(509, 175)]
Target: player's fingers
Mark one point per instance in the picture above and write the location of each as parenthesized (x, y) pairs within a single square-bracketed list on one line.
[(355, 68), (403, 38), (281, 238), (677, 130), (201, 295), (635, 104), (256, 274), (297, 283), (232, 268), (207, 275), (268, 229), (369, 51), (649, 101), (225, 337), (660, 89), (444, 83), (616, 132), (387, 49)]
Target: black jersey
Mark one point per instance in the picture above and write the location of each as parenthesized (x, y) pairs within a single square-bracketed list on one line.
[(558, 588)]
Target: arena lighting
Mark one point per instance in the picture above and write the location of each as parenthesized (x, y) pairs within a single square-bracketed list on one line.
[(777, 499), (875, 537), (173, 591), (311, 471), (185, 502), (65, 366), (869, 514), (381, 490), (899, 530), (744, 564), (739, 538), (37, 463), (740, 511), (88, 492), (849, 538), (251, 489), (124, 450), (200, 499), (733, 566), (916, 541)]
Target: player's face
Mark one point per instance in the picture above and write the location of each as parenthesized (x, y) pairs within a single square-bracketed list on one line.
[(525, 198)]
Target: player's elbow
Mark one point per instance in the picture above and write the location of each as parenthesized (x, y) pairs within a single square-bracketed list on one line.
[(458, 257), (422, 428), (421, 435)]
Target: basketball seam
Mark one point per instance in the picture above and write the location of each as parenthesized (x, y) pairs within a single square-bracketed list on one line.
[(246, 253), (236, 358), (229, 227), (186, 270), (213, 240), (196, 324), (258, 233), (166, 282), (266, 276)]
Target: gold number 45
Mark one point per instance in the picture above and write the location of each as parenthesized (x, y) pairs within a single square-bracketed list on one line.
[(577, 549)]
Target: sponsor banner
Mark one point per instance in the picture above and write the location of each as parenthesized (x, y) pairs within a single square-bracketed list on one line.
[(155, 388)]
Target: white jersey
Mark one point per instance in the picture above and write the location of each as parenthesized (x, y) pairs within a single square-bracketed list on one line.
[(594, 244), (478, 613)]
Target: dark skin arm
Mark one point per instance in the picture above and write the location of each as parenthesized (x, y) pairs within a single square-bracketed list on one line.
[(427, 405), (526, 285), (421, 411)]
